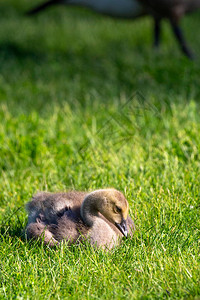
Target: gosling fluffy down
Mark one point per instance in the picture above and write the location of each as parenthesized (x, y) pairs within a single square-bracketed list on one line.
[(100, 216)]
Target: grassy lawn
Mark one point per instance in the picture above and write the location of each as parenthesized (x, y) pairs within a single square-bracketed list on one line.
[(85, 103)]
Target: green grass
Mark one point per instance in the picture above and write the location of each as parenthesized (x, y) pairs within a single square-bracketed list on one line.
[(85, 103)]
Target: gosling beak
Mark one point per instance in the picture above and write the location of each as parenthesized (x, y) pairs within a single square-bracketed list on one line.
[(122, 227)]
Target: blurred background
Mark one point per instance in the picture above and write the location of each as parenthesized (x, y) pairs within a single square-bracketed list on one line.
[(72, 54)]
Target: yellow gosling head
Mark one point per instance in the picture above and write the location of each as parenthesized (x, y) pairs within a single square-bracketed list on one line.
[(113, 206)]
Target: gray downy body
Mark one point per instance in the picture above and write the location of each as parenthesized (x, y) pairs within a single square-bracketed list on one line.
[(57, 216)]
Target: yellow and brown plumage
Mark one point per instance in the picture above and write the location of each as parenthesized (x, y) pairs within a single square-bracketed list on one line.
[(100, 216)]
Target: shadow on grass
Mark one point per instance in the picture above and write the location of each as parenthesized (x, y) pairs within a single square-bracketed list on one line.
[(95, 69), (11, 50)]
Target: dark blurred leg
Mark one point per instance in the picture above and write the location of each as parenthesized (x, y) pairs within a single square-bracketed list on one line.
[(181, 40), (157, 31)]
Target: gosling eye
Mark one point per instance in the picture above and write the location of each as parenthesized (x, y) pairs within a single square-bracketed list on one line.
[(118, 209)]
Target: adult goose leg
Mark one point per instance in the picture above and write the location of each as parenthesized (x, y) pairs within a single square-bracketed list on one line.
[(181, 40), (157, 31)]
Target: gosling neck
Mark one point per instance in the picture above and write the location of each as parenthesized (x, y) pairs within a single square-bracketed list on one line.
[(89, 210)]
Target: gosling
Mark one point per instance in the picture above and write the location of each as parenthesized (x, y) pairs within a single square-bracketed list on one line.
[(100, 217)]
